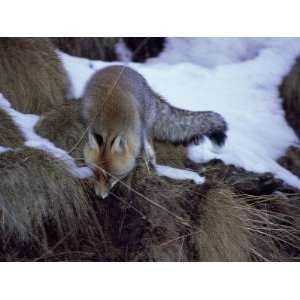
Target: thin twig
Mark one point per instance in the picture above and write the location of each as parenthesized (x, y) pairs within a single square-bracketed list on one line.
[(181, 250)]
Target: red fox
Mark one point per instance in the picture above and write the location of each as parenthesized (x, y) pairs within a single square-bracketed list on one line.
[(124, 115)]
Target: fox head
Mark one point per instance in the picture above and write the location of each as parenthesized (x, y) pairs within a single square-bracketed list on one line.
[(111, 160)]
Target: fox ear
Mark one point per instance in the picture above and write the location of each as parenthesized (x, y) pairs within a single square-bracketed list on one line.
[(92, 141), (119, 144)]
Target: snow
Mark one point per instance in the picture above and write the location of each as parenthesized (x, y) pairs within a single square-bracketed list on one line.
[(237, 77), (212, 52), (79, 71), (26, 123), (209, 52), (4, 149), (179, 174)]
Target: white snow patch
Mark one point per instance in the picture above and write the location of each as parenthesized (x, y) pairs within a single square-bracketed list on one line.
[(26, 123), (212, 52), (236, 77), (79, 71), (179, 174), (208, 52), (4, 149)]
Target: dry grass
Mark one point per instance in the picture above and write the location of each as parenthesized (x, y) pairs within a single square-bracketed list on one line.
[(291, 160), (217, 221), (290, 92), (33, 78), (225, 225), (64, 128), (238, 227), (104, 48), (152, 47), (35, 186), (40, 202), (10, 135), (220, 223), (88, 47)]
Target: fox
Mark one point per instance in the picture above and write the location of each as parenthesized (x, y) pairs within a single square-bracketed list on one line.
[(124, 115)]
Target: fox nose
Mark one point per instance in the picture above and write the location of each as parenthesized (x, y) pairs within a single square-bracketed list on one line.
[(101, 194)]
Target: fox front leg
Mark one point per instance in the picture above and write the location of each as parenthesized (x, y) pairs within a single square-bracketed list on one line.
[(149, 153)]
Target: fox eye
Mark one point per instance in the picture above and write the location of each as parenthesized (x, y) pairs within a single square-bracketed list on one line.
[(99, 139)]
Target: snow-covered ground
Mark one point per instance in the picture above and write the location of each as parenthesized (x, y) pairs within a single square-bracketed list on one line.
[(179, 174), (237, 77)]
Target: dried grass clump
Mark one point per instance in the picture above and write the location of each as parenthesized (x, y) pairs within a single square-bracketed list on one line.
[(10, 135), (170, 211), (102, 48), (222, 235), (235, 227), (32, 76), (291, 160), (290, 92), (144, 47), (64, 128), (212, 222), (41, 203)]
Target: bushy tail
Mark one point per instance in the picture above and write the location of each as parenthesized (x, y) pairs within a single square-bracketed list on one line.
[(180, 126)]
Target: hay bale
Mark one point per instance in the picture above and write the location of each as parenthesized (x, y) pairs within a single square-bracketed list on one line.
[(290, 93), (88, 47), (63, 127), (41, 203), (10, 135), (32, 76)]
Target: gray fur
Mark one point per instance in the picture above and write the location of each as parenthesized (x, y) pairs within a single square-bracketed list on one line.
[(181, 126)]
